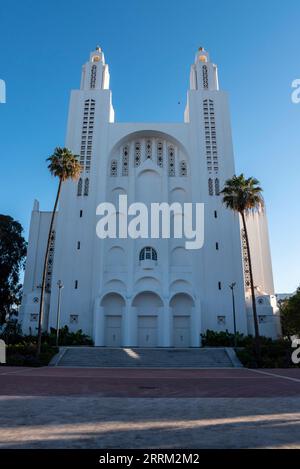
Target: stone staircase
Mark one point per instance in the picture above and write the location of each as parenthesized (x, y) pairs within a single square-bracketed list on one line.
[(103, 357)]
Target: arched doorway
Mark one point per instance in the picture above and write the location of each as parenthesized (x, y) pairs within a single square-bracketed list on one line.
[(182, 305), (147, 306), (113, 305)]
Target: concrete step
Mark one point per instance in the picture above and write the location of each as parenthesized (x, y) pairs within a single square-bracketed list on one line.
[(104, 357)]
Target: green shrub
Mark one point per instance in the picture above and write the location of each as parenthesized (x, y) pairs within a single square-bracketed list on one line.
[(66, 337), (15, 359), (12, 336), (224, 339), (12, 333), (25, 354), (21, 349), (274, 353)]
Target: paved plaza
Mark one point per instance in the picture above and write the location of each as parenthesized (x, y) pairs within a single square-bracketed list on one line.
[(117, 408)]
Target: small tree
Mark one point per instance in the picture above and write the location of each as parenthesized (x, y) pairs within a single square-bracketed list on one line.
[(245, 196), (12, 256), (64, 165), (290, 314)]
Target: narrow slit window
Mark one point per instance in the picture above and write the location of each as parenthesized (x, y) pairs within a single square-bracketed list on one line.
[(79, 187)]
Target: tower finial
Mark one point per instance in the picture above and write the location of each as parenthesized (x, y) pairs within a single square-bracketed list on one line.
[(98, 48)]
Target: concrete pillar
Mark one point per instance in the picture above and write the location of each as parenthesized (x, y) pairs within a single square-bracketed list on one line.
[(99, 325), (166, 312), (126, 339), (195, 326)]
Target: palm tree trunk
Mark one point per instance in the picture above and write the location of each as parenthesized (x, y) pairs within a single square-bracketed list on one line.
[(255, 319), (43, 286)]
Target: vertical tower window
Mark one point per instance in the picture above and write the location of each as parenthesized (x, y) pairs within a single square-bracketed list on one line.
[(125, 161), (160, 150), (210, 136), (148, 149), (80, 214), (78, 245), (137, 154), (50, 261), (87, 134), (86, 186), (114, 168), (205, 76), (76, 284), (245, 260), (217, 186), (183, 168), (79, 187), (219, 285), (217, 246), (171, 161), (215, 214), (210, 187), (93, 76)]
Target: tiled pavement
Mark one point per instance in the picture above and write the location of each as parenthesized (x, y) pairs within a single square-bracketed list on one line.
[(136, 408), (59, 381)]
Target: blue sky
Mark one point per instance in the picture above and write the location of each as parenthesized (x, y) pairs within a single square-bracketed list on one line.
[(149, 46)]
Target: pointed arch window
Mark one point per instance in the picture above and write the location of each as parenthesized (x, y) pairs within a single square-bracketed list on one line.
[(125, 159), (86, 186), (217, 186), (205, 76), (79, 187), (210, 187), (93, 76), (137, 154), (183, 168), (114, 168), (148, 253), (171, 161), (160, 150), (148, 149)]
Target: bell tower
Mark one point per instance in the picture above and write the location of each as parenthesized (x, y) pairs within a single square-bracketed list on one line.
[(95, 74), (204, 74)]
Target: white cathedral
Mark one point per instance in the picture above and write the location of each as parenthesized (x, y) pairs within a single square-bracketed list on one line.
[(148, 292)]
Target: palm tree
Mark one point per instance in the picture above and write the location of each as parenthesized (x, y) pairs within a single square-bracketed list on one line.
[(64, 165), (245, 196)]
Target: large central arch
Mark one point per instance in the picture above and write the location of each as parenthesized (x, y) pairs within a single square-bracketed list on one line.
[(148, 133)]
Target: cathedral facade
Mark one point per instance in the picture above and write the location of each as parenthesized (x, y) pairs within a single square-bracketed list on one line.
[(148, 292)]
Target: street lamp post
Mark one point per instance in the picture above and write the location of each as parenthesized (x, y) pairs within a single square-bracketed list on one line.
[(231, 286), (60, 286)]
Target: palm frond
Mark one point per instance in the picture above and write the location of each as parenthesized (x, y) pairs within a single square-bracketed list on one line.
[(64, 164), (243, 195)]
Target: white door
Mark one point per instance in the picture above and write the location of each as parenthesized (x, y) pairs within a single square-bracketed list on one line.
[(181, 331), (113, 334), (147, 331)]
